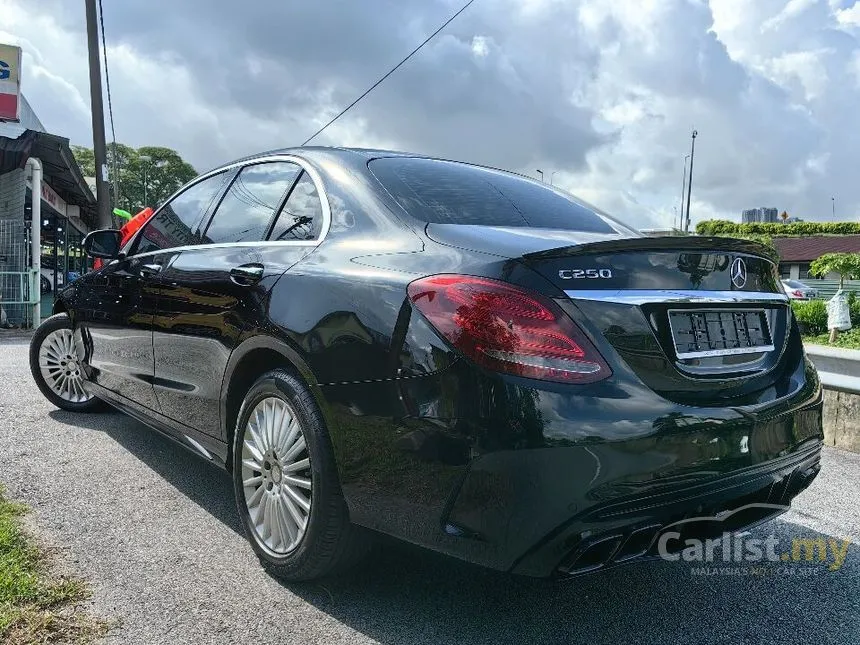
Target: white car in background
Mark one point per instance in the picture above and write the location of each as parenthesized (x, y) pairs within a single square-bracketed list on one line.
[(47, 279), (796, 290)]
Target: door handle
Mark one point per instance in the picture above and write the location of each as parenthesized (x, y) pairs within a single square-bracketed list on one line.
[(246, 274), (149, 270)]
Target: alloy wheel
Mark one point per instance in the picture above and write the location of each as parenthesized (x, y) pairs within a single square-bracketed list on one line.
[(276, 476), (61, 367)]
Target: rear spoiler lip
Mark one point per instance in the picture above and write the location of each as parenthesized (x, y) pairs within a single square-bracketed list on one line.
[(667, 243)]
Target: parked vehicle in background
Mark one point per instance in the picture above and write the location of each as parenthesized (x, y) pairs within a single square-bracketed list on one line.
[(47, 279), (460, 357), (797, 290)]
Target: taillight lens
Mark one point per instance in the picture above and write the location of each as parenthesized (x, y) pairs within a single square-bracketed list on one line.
[(507, 329)]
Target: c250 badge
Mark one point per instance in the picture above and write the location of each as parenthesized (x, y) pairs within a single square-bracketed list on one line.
[(577, 274)]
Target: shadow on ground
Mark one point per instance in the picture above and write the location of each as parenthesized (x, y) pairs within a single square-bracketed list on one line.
[(200, 481), (402, 594)]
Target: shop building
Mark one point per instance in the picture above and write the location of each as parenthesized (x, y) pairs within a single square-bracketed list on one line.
[(68, 212)]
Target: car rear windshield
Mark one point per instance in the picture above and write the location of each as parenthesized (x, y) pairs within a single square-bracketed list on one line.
[(794, 284), (445, 192)]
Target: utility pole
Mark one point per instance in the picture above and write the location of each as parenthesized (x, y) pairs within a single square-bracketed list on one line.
[(690, 182), (683, 188), (833, 207), (99, 146)]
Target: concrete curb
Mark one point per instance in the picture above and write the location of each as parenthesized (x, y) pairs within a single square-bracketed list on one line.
[(15, 334)]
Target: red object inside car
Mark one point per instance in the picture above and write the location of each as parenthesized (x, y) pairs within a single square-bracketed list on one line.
[(131, 227)]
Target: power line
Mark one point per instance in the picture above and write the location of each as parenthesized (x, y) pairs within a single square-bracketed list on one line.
[(389, 73), (110, 110)]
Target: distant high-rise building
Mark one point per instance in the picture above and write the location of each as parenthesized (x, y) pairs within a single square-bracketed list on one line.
[(761, 215)]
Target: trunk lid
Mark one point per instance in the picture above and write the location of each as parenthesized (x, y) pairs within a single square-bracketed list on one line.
[(699, 320)]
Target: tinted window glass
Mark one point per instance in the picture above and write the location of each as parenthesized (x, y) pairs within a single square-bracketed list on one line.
[(247, 208), (443, 192), (301, 217), (177, 223)]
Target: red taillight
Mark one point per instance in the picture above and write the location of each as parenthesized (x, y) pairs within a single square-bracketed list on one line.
[(506, 329), (797, 294)]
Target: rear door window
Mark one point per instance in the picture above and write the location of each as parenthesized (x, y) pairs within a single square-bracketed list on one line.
[(301, 217), (248, 206), (444, 192)]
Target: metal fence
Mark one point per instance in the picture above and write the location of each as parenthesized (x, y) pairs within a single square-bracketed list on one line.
[(827, 288), (15, 274)]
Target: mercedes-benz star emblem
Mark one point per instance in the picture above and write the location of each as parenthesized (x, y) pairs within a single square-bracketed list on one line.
[(739, 273)]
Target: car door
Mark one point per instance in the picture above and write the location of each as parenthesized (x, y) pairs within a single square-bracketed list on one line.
[(213, 292), (114, 312), (119, 310)]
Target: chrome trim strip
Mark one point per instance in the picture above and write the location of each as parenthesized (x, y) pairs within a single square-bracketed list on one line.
[(726, 352), (223, 245), (646, 296), (302, 163)]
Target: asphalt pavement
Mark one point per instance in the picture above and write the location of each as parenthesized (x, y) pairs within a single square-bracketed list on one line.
[(154, 530)]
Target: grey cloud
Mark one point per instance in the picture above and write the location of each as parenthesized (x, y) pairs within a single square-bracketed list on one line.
[(606, 100)]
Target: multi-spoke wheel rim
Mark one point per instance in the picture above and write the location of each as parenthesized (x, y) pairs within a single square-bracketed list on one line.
[(276, 476), (61, 367)]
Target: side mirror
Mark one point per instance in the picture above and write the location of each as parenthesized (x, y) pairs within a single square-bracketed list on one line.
[(103, 244)]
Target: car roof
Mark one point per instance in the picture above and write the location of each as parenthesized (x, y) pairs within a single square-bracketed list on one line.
[(351, 155), (368, 153)]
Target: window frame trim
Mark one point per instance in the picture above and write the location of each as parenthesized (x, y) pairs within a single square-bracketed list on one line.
[(237, 167)]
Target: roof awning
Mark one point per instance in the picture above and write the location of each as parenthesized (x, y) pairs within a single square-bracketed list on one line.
[(61, 171)]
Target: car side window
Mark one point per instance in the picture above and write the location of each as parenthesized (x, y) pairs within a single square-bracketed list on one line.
[(250, 203), (302, 214), (177, 222)]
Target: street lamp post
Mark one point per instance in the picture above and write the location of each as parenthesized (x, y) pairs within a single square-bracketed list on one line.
[(833, 207), (540, 172), (146, 159), (690, 182), (683, 188), (552, 177)]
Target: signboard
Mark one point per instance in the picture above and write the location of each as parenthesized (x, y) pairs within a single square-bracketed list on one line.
[(50, 196), (10, 82)]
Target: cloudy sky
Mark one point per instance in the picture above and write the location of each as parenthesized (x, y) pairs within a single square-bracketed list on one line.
[(604, 93)]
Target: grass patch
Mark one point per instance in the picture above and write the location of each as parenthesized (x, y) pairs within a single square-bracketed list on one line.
[(847, 339), (36, 607)]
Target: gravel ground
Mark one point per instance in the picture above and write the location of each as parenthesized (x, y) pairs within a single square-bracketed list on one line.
[(154, 529)]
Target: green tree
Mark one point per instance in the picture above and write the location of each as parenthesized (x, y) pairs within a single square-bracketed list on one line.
[(847, 265), (86, 160), (147, 176)]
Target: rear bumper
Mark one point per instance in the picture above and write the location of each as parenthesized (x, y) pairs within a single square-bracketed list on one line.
[(629, 529), (527, 477), (572, 509)]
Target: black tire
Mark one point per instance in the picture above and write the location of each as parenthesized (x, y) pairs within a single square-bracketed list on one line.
[(331, 543), (50, 325)]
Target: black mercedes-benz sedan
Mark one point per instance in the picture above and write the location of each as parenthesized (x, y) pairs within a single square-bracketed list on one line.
[(457, 356)]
